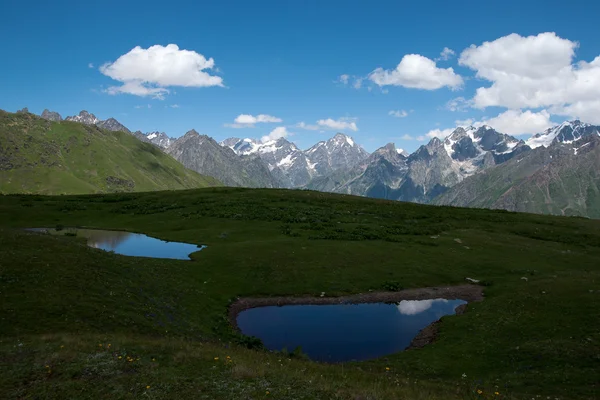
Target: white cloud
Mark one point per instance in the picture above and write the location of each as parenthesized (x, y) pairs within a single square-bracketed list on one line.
[(174, 106), (446, 54), (398, 113), (308, 127), (148, 72), (90, 65), (138, 89), (419, 72), (340, 124), (511, 122), (248, 121), (143, 106), (535, 72), (407, 137), (412, 307), (277, 133), (517, 122), (588, 111), (251, 119), (344, 78), (458, 104), (421, 138)]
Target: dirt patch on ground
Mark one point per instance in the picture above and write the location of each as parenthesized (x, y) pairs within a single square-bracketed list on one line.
[(427, 335)]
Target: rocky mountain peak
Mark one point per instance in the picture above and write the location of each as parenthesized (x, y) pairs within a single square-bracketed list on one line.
[(191, 133), (84, 117), (341, 139), (51, 115), (112, 124), (567, 132)]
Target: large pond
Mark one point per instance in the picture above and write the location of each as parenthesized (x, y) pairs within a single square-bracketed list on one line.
[(128, 244), (343, 332)]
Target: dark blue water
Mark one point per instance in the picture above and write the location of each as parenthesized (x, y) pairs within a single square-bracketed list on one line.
[(130, 244), (343, 332)]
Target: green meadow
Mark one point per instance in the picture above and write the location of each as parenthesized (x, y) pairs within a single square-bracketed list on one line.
[(82, 323)]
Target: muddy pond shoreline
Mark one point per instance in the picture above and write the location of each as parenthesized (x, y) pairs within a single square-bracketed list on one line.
[(469, 293)]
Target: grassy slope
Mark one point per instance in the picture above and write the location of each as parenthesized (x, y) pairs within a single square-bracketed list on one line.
[(528, 338), (38, 156)]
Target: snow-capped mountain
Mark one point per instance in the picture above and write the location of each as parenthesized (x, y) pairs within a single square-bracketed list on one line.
[(204, 155), (293, 167), (469, 147), (159, 139), (567, 132), (338, 152), (429, 171), (87, 118), (84, 117)]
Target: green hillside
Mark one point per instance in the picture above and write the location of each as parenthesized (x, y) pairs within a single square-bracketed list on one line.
[(39, 156), (78, 322)]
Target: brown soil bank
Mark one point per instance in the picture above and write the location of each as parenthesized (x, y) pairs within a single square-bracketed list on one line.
[(427, 335)]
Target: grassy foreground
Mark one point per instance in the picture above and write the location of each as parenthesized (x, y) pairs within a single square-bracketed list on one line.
[(77, 322)]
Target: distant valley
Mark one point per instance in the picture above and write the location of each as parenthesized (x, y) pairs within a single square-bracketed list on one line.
[(553, 172)]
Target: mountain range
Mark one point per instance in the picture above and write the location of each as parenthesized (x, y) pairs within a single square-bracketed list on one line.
[(554, 171)]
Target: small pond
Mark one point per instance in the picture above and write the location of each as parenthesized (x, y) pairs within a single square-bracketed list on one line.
[(128, 244), (343, 332)]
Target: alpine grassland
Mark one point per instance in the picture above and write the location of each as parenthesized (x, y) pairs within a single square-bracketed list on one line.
[(82, 323)]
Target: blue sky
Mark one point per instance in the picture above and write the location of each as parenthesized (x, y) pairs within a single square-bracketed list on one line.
[(288, 60)]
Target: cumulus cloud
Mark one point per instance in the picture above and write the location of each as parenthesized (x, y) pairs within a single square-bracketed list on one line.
[(419, 72), (148, 72), (517, 122), (588, 111), (412, 307), (446, 54), (90, 65), (535, 72), (398, 113), (407, 137), (339, 124), (248, 121), (277, 133), (251, 119)]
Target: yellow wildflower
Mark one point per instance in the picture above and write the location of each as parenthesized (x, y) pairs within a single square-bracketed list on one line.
[(154, 359), (47, 366), (100, 345), (496, 393), (267, 392), (479, 391), (387, 368), (216, 358), (120, 357), (148, 387)]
